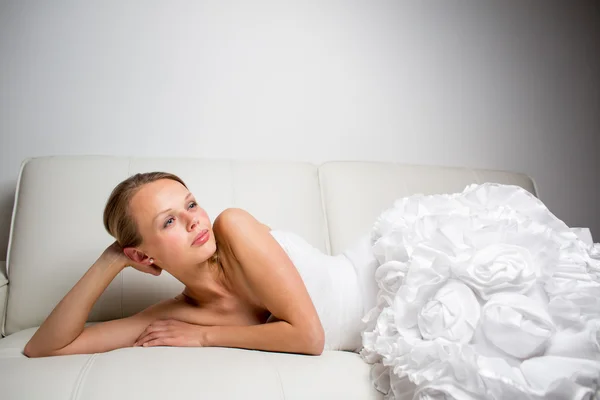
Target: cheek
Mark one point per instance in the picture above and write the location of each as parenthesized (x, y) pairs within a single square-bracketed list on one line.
[(169, 244), (205, 220), (176, 238)]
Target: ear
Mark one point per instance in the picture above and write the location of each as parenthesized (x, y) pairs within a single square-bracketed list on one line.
[(136, 256)]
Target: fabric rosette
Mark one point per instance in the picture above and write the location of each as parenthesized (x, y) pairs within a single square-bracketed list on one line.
[(428, 271), (497, 268), (452, 314), (503, 256), (390, 277), (516, 324)]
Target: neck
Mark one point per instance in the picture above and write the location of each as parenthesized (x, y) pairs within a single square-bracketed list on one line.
[(206, 283)]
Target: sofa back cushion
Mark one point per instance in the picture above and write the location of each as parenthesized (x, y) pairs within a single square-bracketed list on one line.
[(355, 193), (57, 230)]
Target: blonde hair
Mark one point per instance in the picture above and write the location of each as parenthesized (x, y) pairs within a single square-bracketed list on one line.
[(118, 220)]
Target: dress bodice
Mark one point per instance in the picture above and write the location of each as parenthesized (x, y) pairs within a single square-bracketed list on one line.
[(335, 287)]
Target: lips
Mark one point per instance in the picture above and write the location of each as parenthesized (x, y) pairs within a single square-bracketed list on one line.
[(201, 238)]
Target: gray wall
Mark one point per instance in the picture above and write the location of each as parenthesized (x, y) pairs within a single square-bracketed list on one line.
[(510, 85)]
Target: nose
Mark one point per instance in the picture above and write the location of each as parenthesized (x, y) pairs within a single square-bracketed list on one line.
[(193, 222)]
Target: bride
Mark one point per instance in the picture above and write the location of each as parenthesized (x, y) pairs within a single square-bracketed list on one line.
[(478, 294), (241, 288)]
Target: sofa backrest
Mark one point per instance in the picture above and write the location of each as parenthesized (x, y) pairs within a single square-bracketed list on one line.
[(57, 231)]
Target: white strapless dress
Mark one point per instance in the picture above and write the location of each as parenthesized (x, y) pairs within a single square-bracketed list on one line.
[(342, 288), (471, 295)]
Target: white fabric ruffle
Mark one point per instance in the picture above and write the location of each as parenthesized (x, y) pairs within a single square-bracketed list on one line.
[(481, 293), (516, 324)]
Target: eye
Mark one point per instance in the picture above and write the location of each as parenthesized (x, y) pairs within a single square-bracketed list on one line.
[(168, 222), (193, 204)]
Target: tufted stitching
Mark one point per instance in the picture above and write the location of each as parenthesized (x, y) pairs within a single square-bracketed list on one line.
[(324, 210), (267, 361), (82, 376)]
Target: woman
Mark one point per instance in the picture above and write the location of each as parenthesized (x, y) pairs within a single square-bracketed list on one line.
[(241, 288)]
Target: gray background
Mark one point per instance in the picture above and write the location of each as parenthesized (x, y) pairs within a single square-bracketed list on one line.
[(512, 85)]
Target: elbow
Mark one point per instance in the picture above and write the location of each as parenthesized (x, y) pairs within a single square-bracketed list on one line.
[(317, 349), (31, 352), (316, 341)]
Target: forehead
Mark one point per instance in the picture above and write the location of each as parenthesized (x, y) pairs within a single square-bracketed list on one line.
[(157, 196)]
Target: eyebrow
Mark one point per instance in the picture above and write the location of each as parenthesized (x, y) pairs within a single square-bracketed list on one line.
[(170, 209)]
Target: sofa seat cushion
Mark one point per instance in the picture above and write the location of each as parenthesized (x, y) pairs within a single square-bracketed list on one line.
[(175, 372)]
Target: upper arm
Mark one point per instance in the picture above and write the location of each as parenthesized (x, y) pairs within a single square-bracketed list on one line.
[(269, 271)]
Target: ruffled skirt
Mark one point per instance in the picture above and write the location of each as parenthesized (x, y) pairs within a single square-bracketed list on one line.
[(482, 294)]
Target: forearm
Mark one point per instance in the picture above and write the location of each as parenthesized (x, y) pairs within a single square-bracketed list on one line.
[(277, 336), (66, 322)]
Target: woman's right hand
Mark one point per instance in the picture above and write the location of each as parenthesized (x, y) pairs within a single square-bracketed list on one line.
[(114, 254)]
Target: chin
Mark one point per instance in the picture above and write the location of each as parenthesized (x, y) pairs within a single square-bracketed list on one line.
[(208, 249)]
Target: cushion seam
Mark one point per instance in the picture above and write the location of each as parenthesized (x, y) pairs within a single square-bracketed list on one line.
[(277, 375), (324, 211), (81, 377)]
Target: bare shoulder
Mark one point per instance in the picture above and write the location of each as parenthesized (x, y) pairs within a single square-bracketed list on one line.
[(233, 220)]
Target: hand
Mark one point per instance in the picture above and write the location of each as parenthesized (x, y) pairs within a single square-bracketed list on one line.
[(114, 254), (171, 332)]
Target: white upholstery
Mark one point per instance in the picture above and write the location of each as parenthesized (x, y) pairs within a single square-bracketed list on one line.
[(171, 373), (355, 193), (57, 233)]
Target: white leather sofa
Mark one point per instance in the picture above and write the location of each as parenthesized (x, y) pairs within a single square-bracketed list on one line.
[(57, 232)]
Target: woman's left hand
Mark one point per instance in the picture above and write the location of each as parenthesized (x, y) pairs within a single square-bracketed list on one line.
[(172, 332)]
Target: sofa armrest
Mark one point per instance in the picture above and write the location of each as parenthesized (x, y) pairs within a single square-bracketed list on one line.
[(3, 295)]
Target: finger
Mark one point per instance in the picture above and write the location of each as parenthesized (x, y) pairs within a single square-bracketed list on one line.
[(166, 341), (153, 328), (155, 335), (148, 336), (141, 339), (158, 325)]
